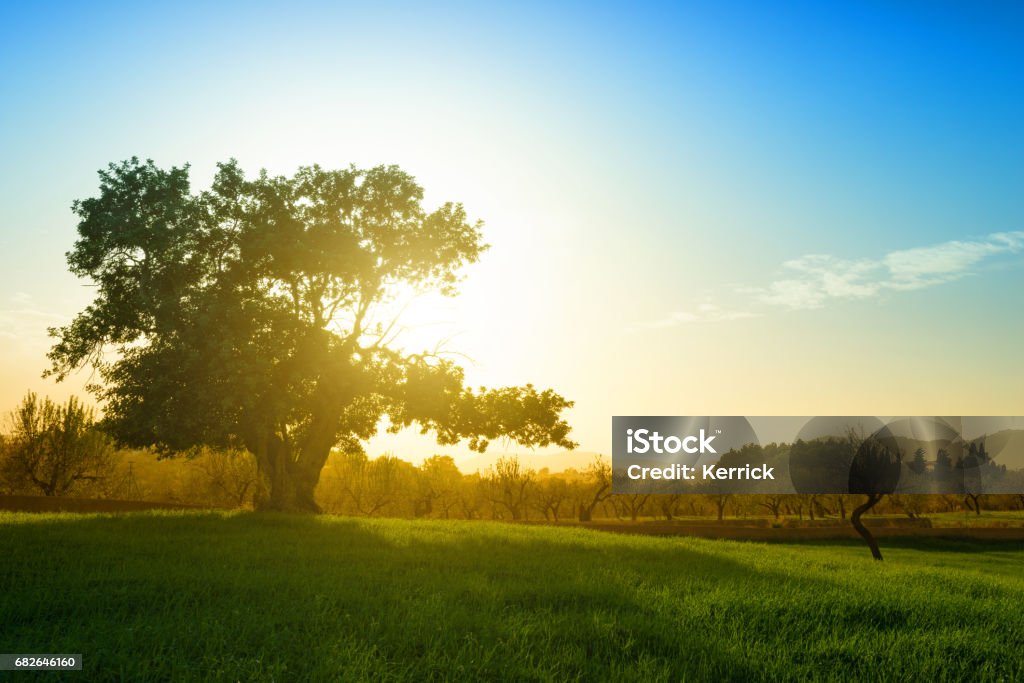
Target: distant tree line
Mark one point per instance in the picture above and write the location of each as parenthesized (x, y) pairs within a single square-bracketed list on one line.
[(58, 450)]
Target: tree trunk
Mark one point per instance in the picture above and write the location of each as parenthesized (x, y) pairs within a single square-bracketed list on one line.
[(972, 498), (587, 512), (291, 477), (291, 489), (872, 500)]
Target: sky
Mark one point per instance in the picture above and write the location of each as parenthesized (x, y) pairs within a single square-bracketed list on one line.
[(718, 208)]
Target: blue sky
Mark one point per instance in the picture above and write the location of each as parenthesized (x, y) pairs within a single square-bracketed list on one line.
[(649, 176)]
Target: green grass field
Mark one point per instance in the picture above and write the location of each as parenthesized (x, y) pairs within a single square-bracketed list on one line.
[(211, 596)]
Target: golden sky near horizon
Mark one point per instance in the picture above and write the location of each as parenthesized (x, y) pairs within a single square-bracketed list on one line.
[(688, 215)]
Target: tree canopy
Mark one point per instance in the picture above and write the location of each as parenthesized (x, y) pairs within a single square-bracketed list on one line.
[(247, 315)]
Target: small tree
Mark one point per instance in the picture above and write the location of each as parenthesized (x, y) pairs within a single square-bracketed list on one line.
[(231, 475), (54, 448), (975, 469), (438, 486), (720, 501), (600, 475), (373, 485), (10, 482), (874, 472), (669, 504), (508, 483), (633, 504), (470, 495), (772, 503), (550, 494), (918, 464)]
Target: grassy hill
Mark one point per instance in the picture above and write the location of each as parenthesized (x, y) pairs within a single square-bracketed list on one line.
[(219, 596)]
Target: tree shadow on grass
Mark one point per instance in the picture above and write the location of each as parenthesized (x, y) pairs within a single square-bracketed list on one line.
[(443, 596), (252, 593)]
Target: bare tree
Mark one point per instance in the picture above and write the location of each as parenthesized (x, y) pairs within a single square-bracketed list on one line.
[(772, 503), (509, 483), (470, 496), (54, 448), (372, 485), (438, 483), (550, 494), (231, 475), (911, 504), (841, 501), (600, 472), (719, 500), (633, 504), (669, 504)]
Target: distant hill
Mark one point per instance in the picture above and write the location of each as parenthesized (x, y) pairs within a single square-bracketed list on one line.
[(556, 462), (1007, 447)]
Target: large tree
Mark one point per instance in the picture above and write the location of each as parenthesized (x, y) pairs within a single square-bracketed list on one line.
[(248, 315)]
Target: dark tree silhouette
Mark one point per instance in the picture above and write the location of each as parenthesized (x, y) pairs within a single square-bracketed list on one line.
[(874, 472), (918, 464)]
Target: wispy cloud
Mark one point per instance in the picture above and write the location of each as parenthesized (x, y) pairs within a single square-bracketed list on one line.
[(811, 281), (702, 313), (24, 323), (814, 279)]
